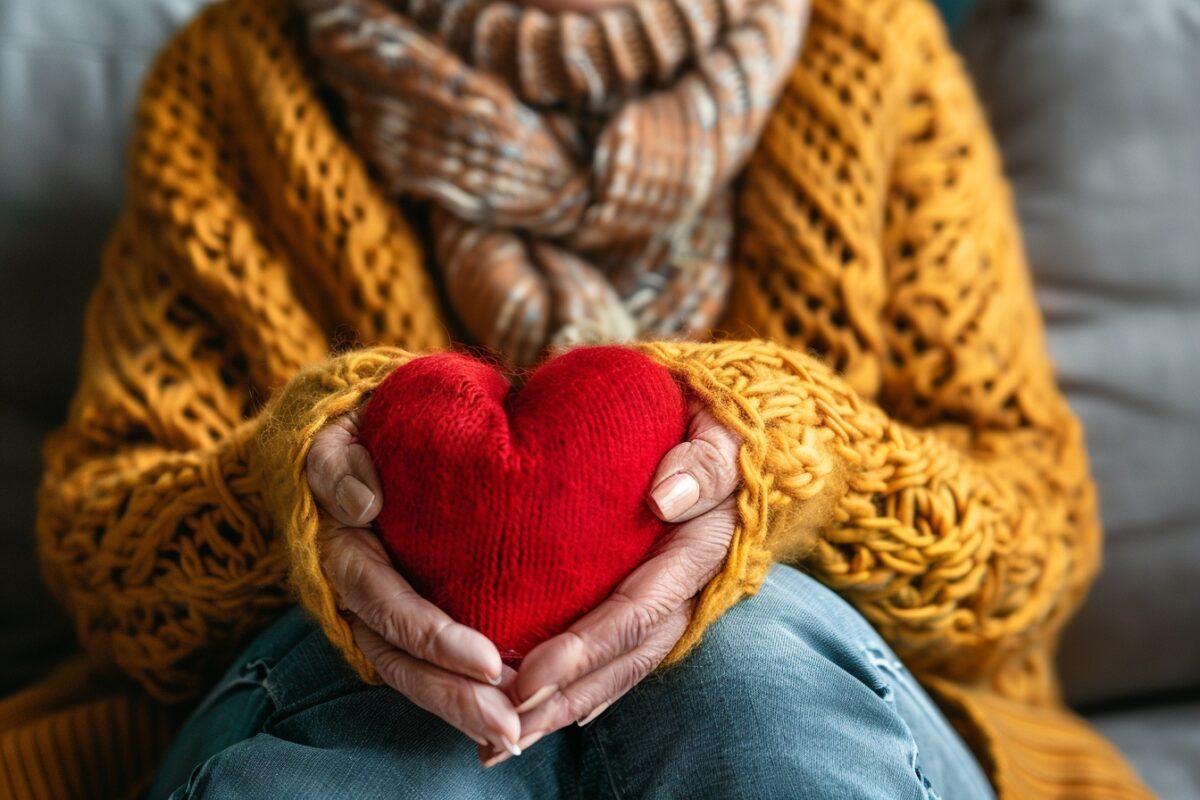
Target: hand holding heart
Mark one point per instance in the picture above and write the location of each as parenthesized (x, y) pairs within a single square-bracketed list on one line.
[(442, 666), (553, 501), (578, 674)]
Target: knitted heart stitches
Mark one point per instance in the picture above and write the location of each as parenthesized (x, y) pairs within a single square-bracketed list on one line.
[(518, 511)]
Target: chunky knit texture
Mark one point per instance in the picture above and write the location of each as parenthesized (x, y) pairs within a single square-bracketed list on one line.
[(516, 512), (580, 195), (904, 439)]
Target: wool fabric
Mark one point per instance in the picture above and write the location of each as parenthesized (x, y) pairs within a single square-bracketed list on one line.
[(881, 357), (579, 163), (516, 512)]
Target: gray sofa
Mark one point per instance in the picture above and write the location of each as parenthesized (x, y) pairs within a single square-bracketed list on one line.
[(1096, 104)]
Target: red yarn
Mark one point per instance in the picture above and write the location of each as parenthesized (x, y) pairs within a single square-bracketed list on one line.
[(518, 511)]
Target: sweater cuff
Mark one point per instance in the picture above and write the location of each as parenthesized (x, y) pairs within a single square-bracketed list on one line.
[(792, 468), (290, 421)]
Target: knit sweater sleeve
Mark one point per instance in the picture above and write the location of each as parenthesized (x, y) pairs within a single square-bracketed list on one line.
[(905, 441), (166, 508), (962, 546)]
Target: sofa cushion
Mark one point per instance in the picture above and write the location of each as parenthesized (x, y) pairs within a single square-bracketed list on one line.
[(1162, 742), (1096, 106)]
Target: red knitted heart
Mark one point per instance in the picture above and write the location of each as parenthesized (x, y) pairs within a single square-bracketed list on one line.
[(518, 511)]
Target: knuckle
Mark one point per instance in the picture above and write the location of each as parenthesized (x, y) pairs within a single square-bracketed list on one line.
[(640, 617), (675, 586), (345, 425), (390, 622), (711, 466), (643, 662), (323, 465), (710, 547), (561, 710), (416, 633), (574, 652), (448, 694), (424, 638), (323, 453), (343, 568), (392, 670), (580, 703), (694, 561), (698, 559), (724, 438)]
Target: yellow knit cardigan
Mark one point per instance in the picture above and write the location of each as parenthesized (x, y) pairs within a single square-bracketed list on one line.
[(882, 357)]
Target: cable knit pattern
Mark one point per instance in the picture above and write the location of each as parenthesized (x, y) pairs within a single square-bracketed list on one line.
[(881, 356)]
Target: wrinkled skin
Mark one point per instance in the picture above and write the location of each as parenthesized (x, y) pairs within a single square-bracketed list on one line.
[(455, 672)]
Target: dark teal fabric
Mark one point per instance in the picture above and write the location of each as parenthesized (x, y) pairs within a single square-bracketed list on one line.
[(955, 12)]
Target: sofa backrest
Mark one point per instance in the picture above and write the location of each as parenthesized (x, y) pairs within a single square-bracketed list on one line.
[(1096, 106)]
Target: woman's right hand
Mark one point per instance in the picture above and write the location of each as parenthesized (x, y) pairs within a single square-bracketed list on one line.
[(445, 668)]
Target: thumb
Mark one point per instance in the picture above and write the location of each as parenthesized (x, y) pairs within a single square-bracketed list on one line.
[(341, 474), (696, 475)]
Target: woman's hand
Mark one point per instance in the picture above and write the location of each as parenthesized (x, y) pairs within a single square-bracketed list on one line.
[(576, 675), (446, 668)]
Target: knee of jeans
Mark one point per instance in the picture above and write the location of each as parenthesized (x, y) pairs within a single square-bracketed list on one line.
[(793, 623), (264, 767), (790, 610), (214, 779), (794, 677)]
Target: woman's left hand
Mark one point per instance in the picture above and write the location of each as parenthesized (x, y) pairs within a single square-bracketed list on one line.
[(577, 674)]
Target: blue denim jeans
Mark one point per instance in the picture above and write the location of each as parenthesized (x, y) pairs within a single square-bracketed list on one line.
[(791, 695)]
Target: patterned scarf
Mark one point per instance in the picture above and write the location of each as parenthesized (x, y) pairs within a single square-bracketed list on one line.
[(579, 165)]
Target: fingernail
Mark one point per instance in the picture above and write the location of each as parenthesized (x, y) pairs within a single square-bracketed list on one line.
[(675, 495), (530, 740), (353, 496), (467, 650), (597, 711), (537, 698), (505, 750), (479, 740)]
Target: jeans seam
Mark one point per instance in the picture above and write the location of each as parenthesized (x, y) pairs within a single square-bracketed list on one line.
[(285, 700), (608, 772), (886, 670), (252, 674), (282, 711)]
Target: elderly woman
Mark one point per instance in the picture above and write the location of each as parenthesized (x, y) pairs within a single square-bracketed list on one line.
[(797, 212)]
